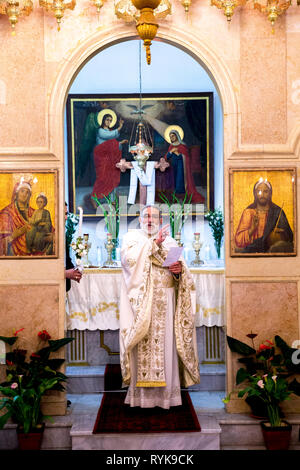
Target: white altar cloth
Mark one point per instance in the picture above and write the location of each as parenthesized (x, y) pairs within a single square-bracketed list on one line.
[(93, 304)]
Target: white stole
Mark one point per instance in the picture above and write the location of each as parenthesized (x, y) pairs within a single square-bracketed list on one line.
[(146, 179)]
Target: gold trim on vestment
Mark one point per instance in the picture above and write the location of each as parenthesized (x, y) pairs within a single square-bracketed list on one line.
[(167, 283), (151, 384), (184, 326), (142, 311), (150, 350), (147, 332)]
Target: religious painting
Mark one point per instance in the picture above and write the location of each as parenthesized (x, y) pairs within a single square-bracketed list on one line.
[(140, 149), (28, 214), (263, 212)]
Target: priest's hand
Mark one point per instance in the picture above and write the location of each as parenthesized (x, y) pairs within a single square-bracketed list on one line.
[(176, 268), (162, 234)]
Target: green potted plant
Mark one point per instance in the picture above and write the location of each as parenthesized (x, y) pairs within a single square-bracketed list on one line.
[(177, 213), (216, 223), (27, 380), (111, 217), (269, 376)]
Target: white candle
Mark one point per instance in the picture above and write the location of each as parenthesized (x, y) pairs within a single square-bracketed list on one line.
[(80, 221)]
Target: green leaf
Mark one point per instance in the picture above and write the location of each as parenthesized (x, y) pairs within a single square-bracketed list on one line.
[(44, 352), (55, 345), (237, 346), (241, 375), (294, 387), (277, 359), (8, 392), (287, 352), (5, 402), (55, 363), (227, 398), (9, 339), (281, 343), (47, 385)]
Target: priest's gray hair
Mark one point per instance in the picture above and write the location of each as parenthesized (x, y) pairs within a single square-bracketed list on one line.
[(154, 206)]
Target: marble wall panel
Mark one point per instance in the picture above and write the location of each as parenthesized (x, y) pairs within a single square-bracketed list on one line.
[(23, 116), (32, 307), (267, 309), (263, 80)]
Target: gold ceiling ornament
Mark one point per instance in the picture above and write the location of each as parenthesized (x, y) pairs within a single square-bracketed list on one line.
[(146, 24), (273, 9), (125, 10), (228, 6), (186, 5), (15, 8), (57, 7), (98, 4)]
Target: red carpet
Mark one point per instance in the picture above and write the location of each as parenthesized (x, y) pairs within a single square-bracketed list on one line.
[(116, 417)]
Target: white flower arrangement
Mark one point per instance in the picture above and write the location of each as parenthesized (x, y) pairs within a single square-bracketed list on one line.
[(80, 249)]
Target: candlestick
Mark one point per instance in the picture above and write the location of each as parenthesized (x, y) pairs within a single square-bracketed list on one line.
[(80, 221), (109, 247), (178, 239), (197, 247)]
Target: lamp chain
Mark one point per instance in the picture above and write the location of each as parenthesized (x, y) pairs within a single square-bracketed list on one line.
[(140, 75)]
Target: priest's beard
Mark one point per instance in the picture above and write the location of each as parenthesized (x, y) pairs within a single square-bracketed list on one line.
[(150, 228)]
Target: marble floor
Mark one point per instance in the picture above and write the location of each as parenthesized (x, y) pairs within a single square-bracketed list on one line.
[(84, 408), (89, 403)]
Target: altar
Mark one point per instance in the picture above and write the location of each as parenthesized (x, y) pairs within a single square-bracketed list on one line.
[(93, 306)]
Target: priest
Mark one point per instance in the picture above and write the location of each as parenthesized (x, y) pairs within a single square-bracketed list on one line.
[(158, 350)]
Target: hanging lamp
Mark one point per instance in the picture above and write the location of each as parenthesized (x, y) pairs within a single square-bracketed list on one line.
[(140, 142)]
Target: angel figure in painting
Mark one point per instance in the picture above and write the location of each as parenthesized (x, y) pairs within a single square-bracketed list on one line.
[(107, 153), (100, 137)]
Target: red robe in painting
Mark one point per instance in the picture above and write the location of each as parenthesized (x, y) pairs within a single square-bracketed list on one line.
[(10, 220), (106, 155)]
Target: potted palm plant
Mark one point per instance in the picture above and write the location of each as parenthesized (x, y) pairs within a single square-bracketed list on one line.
[(269, 375), (111, 213), (27, 381), (178, 211)]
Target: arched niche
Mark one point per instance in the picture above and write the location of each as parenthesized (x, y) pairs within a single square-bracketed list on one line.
[(186, 41)]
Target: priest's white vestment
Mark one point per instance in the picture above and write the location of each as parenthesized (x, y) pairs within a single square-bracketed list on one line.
[(158, 349)]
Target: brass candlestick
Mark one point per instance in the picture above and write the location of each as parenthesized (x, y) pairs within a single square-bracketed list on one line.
[(197, 247), (178, 239), (109, 245)]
